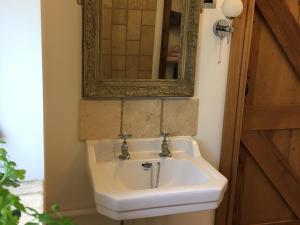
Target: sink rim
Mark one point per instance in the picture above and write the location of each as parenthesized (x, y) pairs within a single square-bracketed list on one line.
[(117, 201)]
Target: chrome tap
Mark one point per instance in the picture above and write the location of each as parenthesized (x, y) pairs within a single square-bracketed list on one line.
[(165, 152), (124, 148)]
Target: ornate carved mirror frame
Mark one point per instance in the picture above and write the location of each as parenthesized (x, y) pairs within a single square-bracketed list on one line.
[(93, 88)]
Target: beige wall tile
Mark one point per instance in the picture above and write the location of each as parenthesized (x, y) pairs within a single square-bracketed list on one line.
[(146, 74), (135, 4), (141, 118), (119, 16), (100, 119), (132, 67), (180, 117), (106, 3), (106, 23), (118, 39), (149, 4), (133, 48), (147, 40), (118, 74), (149, 17), (106, 47), (106, 66), (120, 3), (134, 24), (118, 62), (146, 63)]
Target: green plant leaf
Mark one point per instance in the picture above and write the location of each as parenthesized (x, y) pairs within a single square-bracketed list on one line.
[(19, 206), (55, 208), (3, 152), (11, 207), (16, 213), (31, 211), (45, 218), (20, 174), (67, 221)]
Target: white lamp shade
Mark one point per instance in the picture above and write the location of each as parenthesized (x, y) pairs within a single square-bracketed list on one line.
[(232, 8)]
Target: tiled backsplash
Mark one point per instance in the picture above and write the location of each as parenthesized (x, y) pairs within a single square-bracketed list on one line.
[(142, 118)]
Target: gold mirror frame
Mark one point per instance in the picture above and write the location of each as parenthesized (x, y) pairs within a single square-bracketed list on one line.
[(182, 87)]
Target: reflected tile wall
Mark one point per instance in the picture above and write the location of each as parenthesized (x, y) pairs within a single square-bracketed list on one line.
[(127, 42)]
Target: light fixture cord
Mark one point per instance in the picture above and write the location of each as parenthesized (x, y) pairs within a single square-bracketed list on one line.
[(220, 51)]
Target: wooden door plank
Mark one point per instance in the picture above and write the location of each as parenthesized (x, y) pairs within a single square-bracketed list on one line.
[(272, 79), (284, 27), (254, 53), (279, 173), (271, 117), (294, 153), (238, 202), (236, 85), (292, 222), (261, 202)]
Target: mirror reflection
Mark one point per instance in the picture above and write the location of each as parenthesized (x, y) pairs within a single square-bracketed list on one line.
[(140, 39)]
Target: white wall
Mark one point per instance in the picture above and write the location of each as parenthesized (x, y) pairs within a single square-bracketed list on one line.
[(210, 89), (21, 94), (211, 80)]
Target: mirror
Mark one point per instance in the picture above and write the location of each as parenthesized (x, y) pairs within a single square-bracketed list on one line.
[(134, 43), (135, 48)]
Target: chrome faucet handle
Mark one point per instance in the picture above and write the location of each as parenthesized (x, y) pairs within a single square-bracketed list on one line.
[(165, 152), (124, 148), (164, 134)]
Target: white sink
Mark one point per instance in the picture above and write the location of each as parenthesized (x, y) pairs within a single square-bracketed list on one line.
[(127, 189)]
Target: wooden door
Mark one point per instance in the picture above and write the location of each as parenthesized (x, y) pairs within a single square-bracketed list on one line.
[(265, 186)]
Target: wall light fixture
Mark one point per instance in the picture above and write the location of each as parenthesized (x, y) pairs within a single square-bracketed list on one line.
[(231, 9)]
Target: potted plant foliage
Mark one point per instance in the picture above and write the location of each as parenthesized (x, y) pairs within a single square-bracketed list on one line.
[(11, 207)]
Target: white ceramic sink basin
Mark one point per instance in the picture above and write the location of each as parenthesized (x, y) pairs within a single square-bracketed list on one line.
[(147, 185)]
